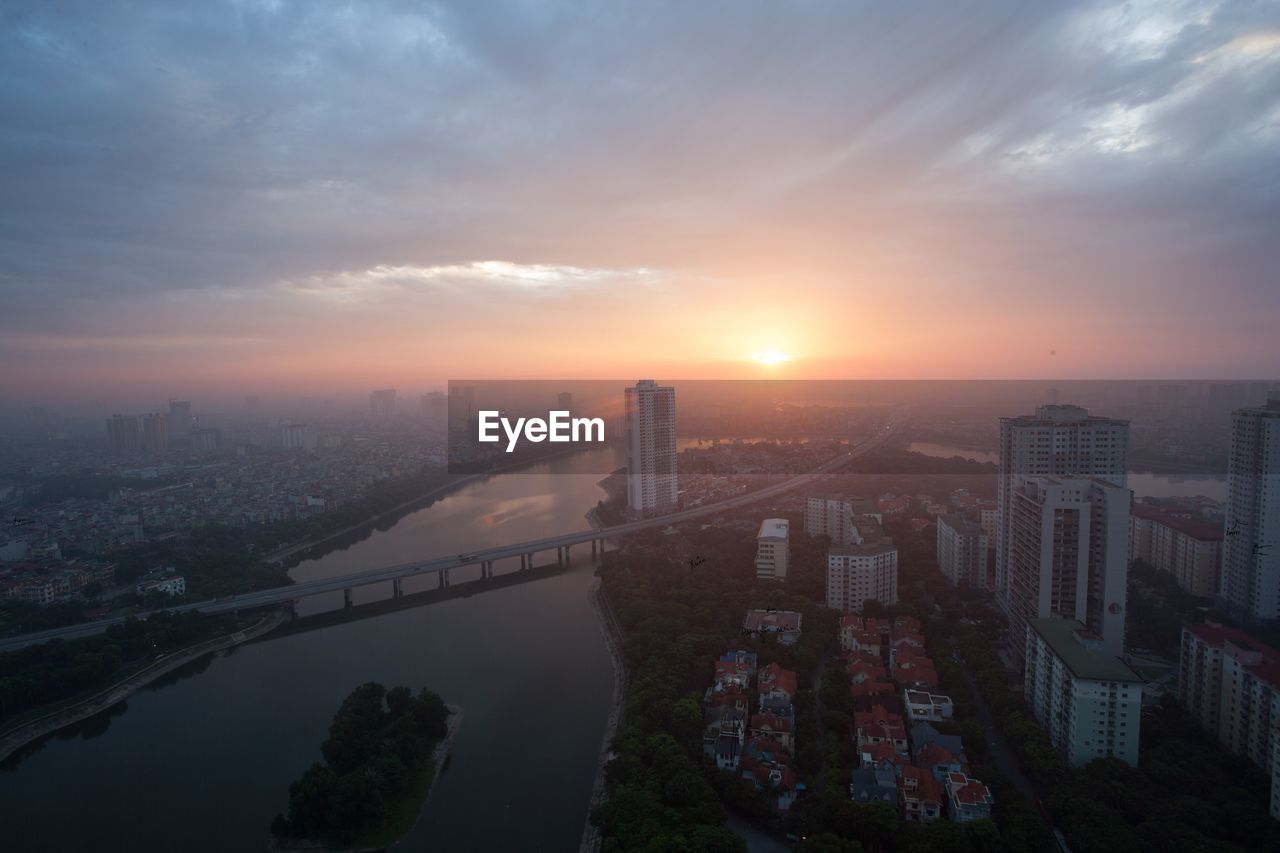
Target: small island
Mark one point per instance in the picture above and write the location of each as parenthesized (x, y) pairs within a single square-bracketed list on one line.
[(380, 759)]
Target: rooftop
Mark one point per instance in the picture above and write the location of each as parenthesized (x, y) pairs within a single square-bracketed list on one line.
[(1084, 663), (773, 528)]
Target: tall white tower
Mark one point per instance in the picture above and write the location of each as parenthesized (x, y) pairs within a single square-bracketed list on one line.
[(1057, 441), (650, 413), (1250, 580)]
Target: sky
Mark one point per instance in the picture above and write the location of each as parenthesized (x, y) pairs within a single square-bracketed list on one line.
[(254, 197)]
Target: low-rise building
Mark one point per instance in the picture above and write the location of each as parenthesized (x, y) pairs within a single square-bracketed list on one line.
[(967, 799), (784, 624), (919, 794), (921, 705), (773, 550), (1088, 701)]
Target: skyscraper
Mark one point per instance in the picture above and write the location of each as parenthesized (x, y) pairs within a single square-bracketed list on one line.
[(155, 433), (180, 420), (293, 436), (1068, 556), (650, 411), (122, 433), (1057, 441), (1250, 583), (382, 402)]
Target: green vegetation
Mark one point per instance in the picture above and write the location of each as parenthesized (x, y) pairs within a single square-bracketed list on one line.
[(59, 670), (677, 620), (377, 769)]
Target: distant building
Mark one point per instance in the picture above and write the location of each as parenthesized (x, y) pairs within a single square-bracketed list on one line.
[(123, 434), (859, 573), (650, 411), (181, 421), (1186, 547), (773, 550), (962, 550), (1088, 700), (564, 401), (382, 402), (1057, 441), (293, 436), (155, 433), (173, 585), (1068, 555), (1250, 582), (205, 440), (784, 623)]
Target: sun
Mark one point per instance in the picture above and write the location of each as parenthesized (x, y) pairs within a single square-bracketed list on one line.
[(770, 357)]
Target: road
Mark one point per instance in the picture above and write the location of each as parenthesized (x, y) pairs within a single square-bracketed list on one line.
[(280, 595)]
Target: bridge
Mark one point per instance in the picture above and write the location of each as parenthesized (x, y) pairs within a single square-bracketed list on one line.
[(441, 567)]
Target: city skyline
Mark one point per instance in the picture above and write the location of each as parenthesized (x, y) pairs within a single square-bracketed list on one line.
[(852, 192)]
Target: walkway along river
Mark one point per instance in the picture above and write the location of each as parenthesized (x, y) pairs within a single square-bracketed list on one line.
[(202, 764)]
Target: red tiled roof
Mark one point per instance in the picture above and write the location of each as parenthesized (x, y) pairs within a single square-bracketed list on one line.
[(770, 721), (775, 677), (1205, 531)]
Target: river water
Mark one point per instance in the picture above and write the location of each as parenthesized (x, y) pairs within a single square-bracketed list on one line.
[(1144, 483), (202, 764)]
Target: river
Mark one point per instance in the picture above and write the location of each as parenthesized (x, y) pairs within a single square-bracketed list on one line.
[(1144, 483), (204, 762)]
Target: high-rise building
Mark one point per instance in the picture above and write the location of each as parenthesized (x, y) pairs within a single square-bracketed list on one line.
[(650, 411), (1057, 441), (122, 433), (564, 401), (155, 433), (773, 550), (204, 440), (1230, 682), (382, 402), (1185, 546), (181, 421), (831, 517), (1250, 583), (1068, 555), (293, 436), (1088, 701), (962, 550), (860, 573)]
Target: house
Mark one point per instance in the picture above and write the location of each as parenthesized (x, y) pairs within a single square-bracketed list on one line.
[(862, 669), (865, 689), (967, 799), (879, 753), (777, 682), (923, 734), (940, 761), (720, 724), (920, 795), (731, 673), (919, 705), (743, 657), (877, 783), (727, 696), (764, 764), (857, 633), (780, 730), (785, 624), (879, 726), (913, 669)]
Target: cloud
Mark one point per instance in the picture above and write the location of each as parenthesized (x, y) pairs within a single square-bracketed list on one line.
[(246, 168)]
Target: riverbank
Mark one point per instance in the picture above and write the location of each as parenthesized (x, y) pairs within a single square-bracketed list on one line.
[(613, 640), (33, 730)]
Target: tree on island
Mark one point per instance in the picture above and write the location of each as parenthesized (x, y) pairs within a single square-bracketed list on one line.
[(380, 740)]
